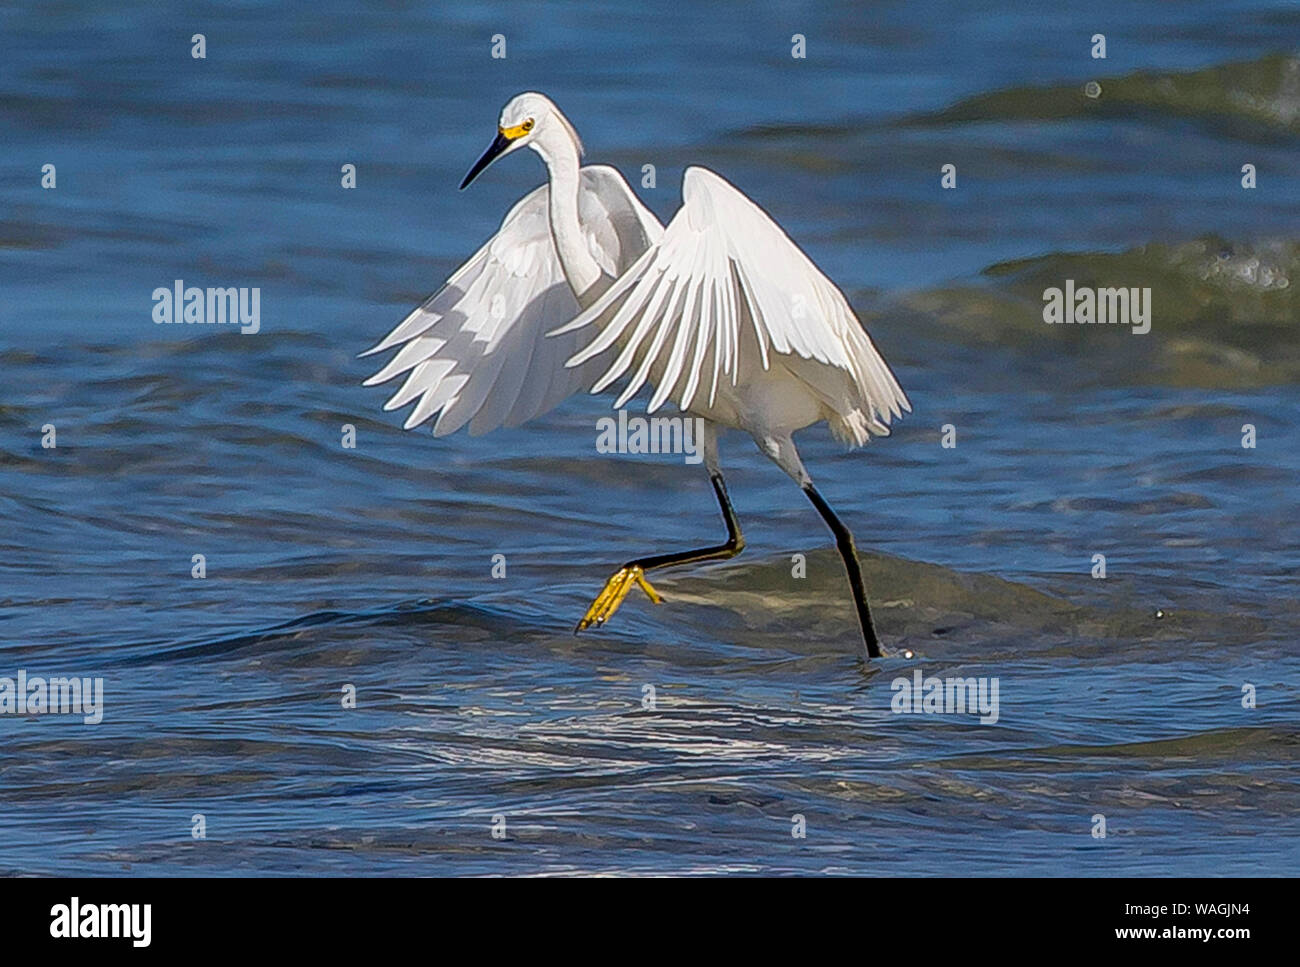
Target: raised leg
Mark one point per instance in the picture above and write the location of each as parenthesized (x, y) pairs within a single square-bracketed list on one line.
[(633, 572)]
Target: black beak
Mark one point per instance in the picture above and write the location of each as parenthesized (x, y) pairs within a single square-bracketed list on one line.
[(490, 155)]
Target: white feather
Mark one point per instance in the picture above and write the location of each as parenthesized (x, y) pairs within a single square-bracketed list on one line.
[(476, 350), (724, 277)]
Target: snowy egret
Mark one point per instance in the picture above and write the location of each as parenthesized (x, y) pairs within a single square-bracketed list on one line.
[(719, 311)]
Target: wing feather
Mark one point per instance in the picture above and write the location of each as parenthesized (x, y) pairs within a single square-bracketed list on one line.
[(475, 352), (722, 268)]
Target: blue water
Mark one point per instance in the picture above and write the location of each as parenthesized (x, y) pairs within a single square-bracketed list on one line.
[(371, 567)]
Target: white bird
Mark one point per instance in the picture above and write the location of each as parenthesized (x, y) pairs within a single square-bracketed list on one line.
[(720, 311)]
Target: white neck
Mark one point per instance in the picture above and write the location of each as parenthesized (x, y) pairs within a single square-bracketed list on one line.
[(581, 270)]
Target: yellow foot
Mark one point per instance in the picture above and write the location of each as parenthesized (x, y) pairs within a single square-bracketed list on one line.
[(616, 589)]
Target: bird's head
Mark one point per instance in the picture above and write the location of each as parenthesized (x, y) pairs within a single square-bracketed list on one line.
[(529, 119)]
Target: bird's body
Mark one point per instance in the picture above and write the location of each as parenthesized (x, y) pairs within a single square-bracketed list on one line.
[(719, 311)]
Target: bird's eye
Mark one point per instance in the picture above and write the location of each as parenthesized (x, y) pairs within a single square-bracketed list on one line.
[(527, 125)]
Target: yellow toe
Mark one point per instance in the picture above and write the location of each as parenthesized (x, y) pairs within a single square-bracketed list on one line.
[(612, 595), (651, 593)]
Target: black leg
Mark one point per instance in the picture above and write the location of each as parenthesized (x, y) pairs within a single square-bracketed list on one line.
[(719, 552), (849, 552), (632, 572)]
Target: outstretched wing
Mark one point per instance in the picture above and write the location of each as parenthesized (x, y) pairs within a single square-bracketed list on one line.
[(476, 351), (724, 276)]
